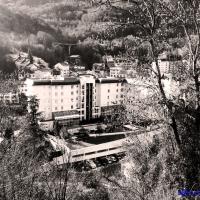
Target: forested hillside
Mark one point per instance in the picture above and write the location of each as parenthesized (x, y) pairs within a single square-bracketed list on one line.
[(38, 25)]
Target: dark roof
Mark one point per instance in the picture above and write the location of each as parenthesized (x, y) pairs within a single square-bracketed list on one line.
[(65, 113), (67, 81), (110, 80)]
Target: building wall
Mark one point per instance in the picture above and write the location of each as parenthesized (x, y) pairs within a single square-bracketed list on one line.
[(9, 98), (166, 67), (84, 80), (109, 94), (54, 98), (87, 97)]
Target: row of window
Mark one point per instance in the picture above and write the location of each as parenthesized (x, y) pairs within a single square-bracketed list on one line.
[(72, 93), (56, 86), (117, 90), (108, 97), (72, 107), (72, 100)]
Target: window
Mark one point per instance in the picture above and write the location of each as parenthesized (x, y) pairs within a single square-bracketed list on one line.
[(72, 86), (72, 106), (61, 107), (117, 90), (116, 96), (108, 97), (79, 155), (83, 87), (72, 93), (102, 150), (77, 98), (82, 105), (77, 92), (113, 148), (117, 84), (72, 99), (108, 90), (122, 89), (90, 153), (82, 111), (61, 100), (56, 108), (61, 86), (122, 96)]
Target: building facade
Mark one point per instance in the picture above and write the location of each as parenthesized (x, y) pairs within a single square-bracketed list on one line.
[(75, 99), (166, 67), (10, 98)]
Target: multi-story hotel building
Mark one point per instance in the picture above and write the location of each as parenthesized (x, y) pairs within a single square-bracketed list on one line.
[(76, 99)]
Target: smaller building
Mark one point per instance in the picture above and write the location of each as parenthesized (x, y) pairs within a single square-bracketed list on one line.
[(10, 98), (28, 66), (168, 64), (118, 72), (99, 69), (61, 69), (166, 67), (78, 68), (75, 59), (109, 62)]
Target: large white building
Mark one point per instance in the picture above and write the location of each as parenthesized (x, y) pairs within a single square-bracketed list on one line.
[(76, 99)]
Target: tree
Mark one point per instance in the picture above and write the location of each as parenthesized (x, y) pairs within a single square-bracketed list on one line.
[(23, 101), (99, 128), (8, 85), (90, 52), (155, 26), (34, 114), (118, 117)]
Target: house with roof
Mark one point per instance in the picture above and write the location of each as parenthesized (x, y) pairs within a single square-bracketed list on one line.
[(61, 69), (30, 66)]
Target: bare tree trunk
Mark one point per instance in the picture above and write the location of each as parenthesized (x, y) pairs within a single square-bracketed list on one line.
[(164, 98)]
